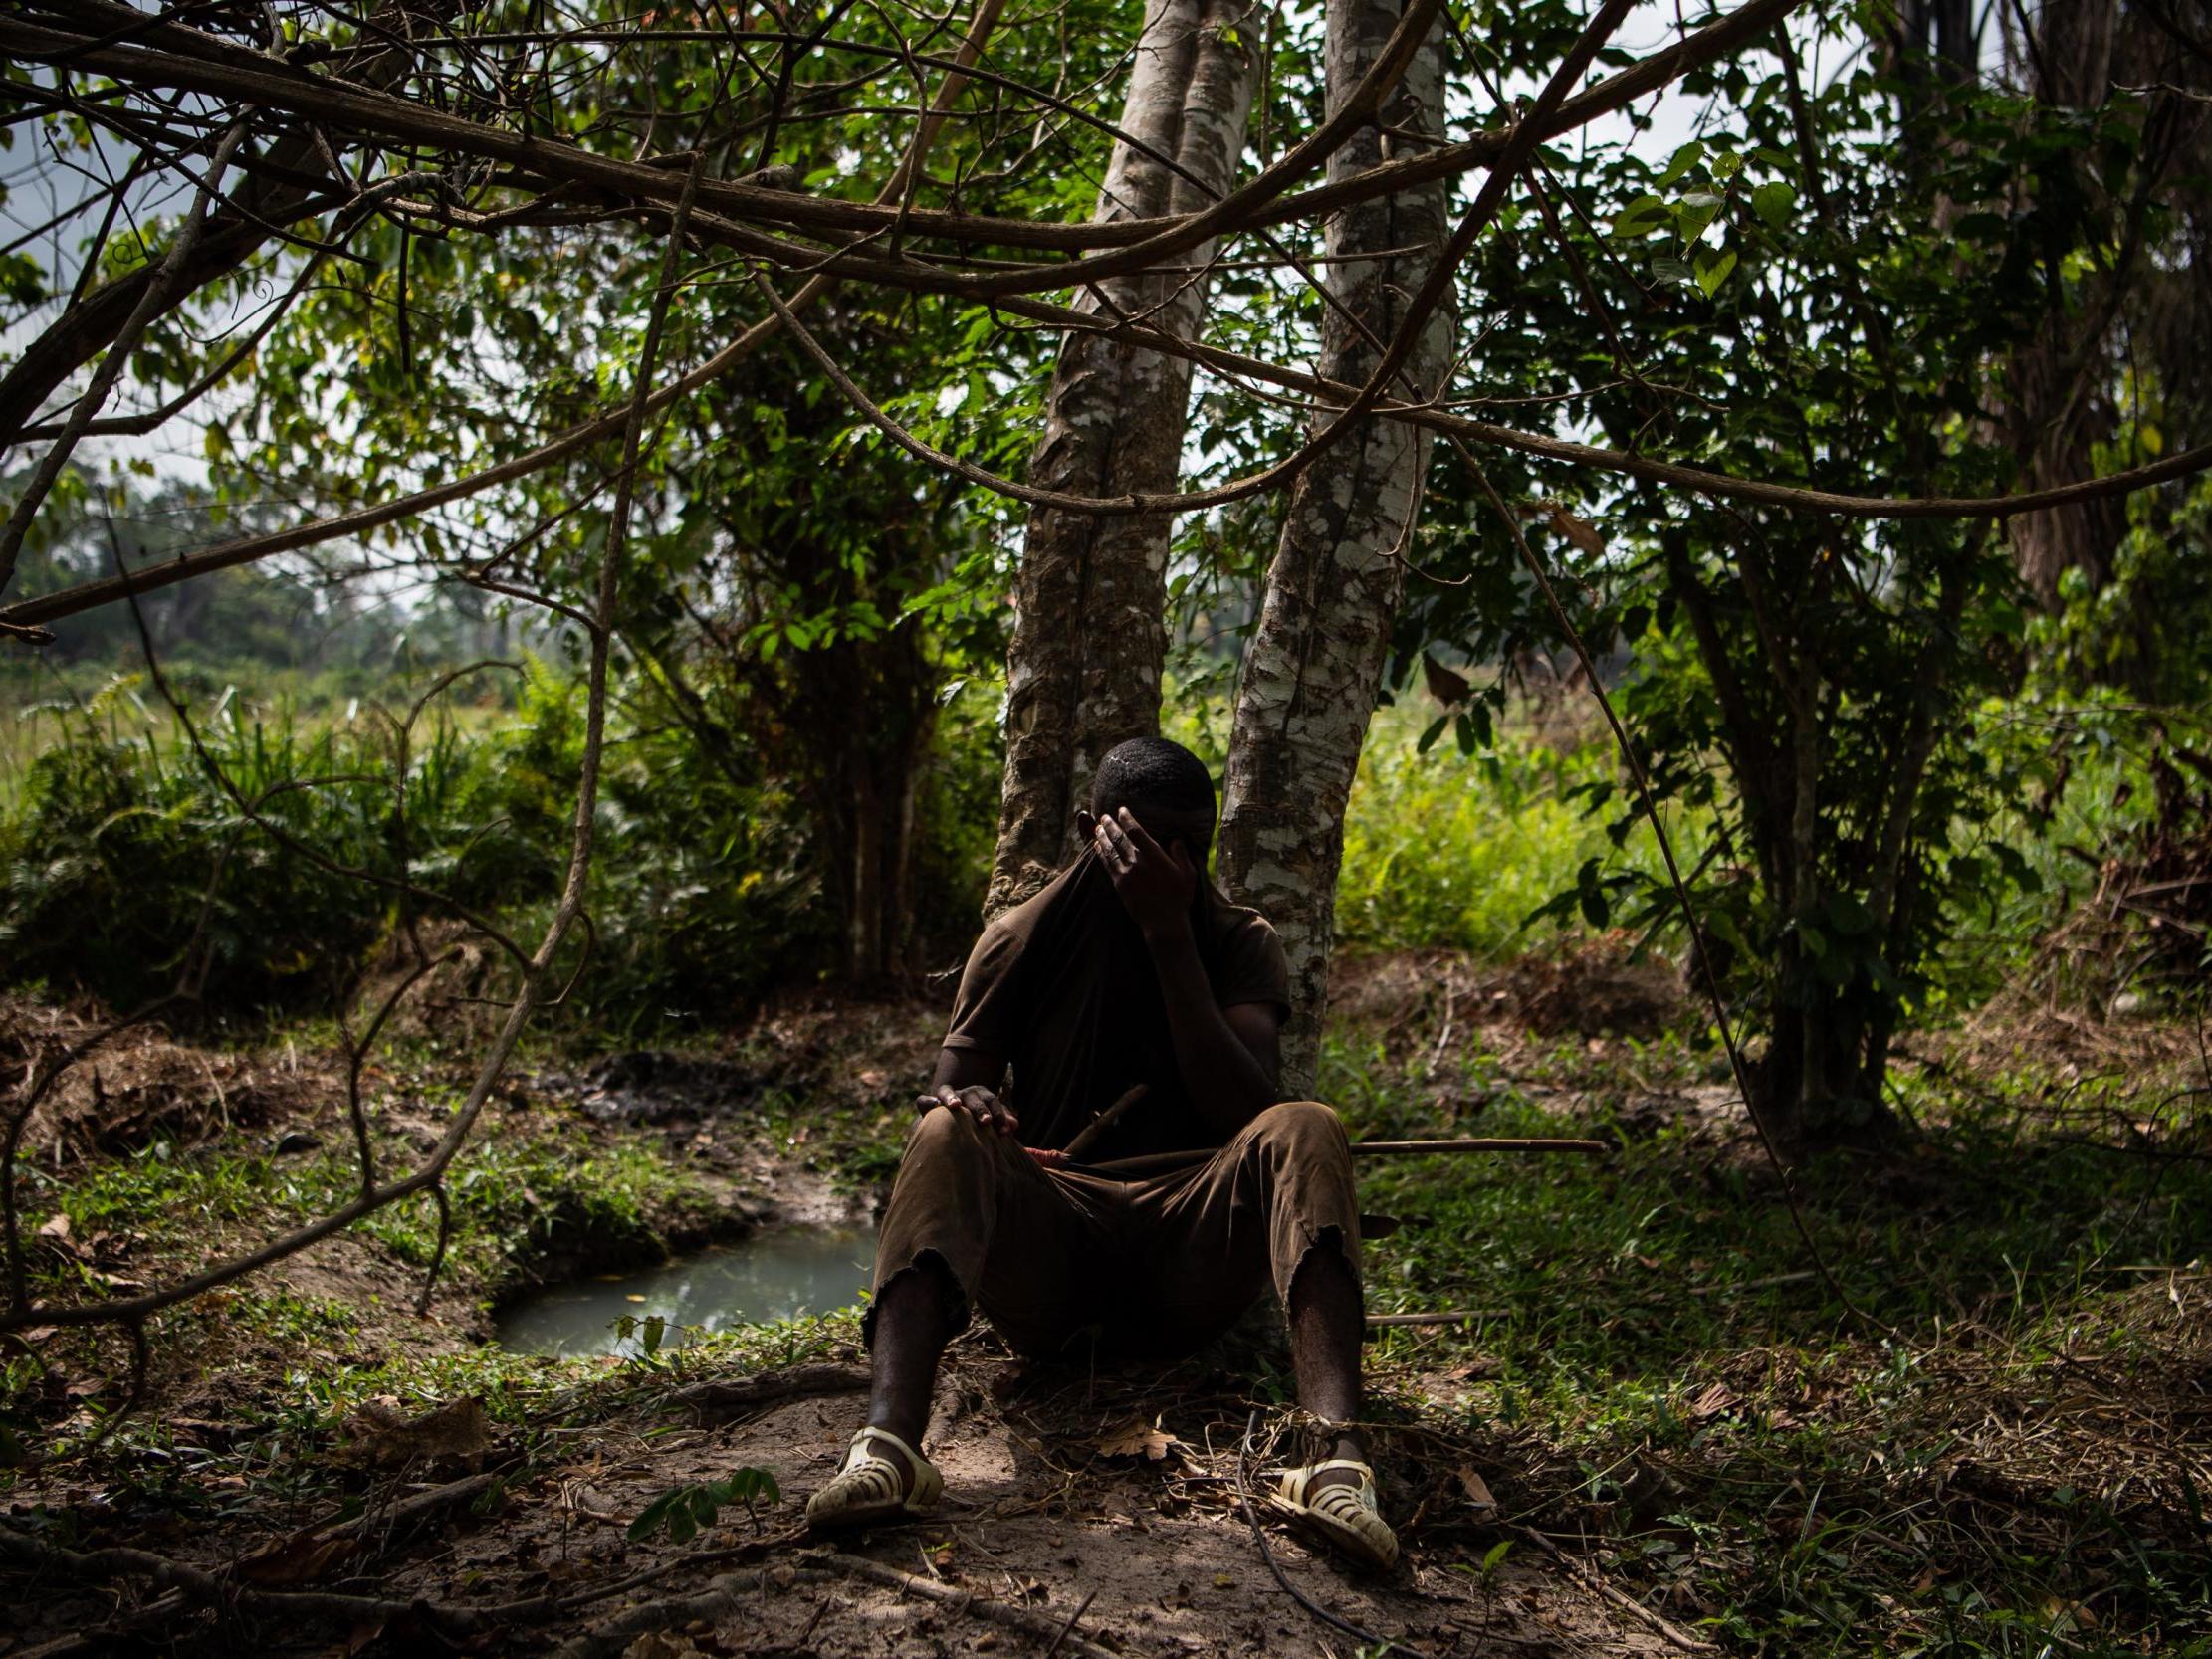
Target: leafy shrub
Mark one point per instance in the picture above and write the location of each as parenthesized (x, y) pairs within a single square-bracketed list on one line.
[(118, 849), (703, 889)]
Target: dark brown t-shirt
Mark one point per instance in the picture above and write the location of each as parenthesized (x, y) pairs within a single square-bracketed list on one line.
[(1062, 988)]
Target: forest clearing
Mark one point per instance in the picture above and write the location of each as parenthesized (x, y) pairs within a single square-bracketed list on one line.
[(713, 721)]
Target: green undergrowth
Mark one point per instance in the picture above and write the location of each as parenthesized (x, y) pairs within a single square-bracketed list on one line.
[(1985, 1458), (1451, 851), (524, 1197), (513, 1197), (284, 1429)]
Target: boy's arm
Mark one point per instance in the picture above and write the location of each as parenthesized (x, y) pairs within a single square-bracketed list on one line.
[(1228, 1058)]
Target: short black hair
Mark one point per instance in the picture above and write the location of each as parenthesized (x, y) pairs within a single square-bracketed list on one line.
[(1153, 772)]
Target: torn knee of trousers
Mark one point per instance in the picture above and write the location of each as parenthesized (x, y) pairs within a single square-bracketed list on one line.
[(1325, 1241), (1299, 1122), (932, 1267)]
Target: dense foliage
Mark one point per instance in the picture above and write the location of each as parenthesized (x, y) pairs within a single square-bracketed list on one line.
[(280, 868), (1843, 267)]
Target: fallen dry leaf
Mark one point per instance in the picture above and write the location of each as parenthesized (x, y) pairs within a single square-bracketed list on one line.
[(1138, 1438), (381, 1431), (299, 1559), (1711, 1401), (1477, 1489)]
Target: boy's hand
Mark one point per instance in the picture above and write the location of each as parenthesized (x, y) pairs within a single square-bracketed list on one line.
[(978, 1102), (1156, 885)]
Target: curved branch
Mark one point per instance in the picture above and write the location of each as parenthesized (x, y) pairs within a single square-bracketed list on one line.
[(567, 910), (269, 82), (152, 303)]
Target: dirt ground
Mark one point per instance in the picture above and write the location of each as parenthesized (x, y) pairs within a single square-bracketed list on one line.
[(1055, 1536), (1039, 1518), (1053, 1510), (1088, 1513)]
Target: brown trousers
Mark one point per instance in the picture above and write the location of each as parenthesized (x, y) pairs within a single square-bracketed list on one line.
[(1058, 1258)]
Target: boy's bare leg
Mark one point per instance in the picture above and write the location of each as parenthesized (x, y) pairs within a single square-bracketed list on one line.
[(1326, 1323), (912, 1325)]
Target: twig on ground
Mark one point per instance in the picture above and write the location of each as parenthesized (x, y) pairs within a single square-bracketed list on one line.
[(1768, 1283), (217, 1590), (415, 1505), (1068, 1629), (723, 1597), (997, 1612), (1675, 1634)]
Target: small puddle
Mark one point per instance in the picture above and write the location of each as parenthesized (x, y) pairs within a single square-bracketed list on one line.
[(776, 1275)]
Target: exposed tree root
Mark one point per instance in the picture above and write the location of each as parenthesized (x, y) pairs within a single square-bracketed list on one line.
[(1051, 1626), (721, 1399), (211, 1589)]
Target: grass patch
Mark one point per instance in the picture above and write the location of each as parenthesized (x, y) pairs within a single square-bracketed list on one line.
[(1998, 1462), (513, 1197)]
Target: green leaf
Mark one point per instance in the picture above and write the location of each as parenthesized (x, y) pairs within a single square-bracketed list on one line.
[(1672, 271), (1684, 158), (750, 1485), (1772, 204), (654, 1515), (1697, 212), (1713, 271), (1642, 217)]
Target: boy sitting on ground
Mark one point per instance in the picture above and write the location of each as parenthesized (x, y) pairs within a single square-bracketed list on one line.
[(1139, 1012)]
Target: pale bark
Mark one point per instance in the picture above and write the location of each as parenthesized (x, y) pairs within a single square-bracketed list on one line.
[(1314, 667), (1083, 668)]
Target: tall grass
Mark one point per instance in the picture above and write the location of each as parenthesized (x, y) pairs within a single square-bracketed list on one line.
[(1450, 851)]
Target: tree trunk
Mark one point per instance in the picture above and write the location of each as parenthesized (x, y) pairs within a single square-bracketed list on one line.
[(1083, 668), (1314, 667), (1820, 1082), (2056, 406)]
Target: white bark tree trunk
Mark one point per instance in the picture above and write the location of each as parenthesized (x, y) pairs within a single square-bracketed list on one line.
[(1083, 668), (1314, 665)]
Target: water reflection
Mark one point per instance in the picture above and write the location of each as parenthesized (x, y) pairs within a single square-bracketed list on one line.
[(776, 1275)]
